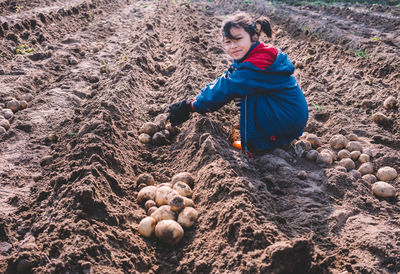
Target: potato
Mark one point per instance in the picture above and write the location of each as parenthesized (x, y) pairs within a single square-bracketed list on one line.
[(369, 178), (165, 184), (151, 210), (147, 226), (355, 173), (145, 178), (344, 153), (381, 119), (366, 168), (364, 158), (331, 152), (149, 128), (163, 213), (354, 146), (23, 104), (304, 144), (354, 155), (2, 130), (185, 177), (386, 174), (169, 232), (161, 121), (324, 158), (312, 155), (352, 137), (144, 138), (149, 203), (27, 97), (368, 151), (176, 203), (188, 202), (314, 140), (390, 102), (347, 163), (13, 105), (171, 129), (147, 193), (383, 189), (8, 114), (4, 123), (163, 194), (338, 141), (183, 189), (166, 133), (159, 139), (187, 217)]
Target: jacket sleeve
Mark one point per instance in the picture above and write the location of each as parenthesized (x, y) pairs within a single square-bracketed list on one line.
[(224, 89)]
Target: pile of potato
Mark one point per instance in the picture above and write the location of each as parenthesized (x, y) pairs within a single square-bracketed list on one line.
[(8, 109), (157, 132), (169, 207), (349, 155)]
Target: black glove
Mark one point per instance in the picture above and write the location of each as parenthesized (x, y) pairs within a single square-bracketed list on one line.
[(179, 112)]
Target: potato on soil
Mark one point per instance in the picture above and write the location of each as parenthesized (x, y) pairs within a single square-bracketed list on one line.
[(324, 158), (386, 173), (149, 203), (338, 141), (8, 114), (354, 146), (381, 119), (183, 189), (23, 104), (369, 178), (151, 210), (145, 178), (166, 133), (366, 168), (355, 173), (188, 201), (347, 163), (144, 138), (149, 128), (4, 123), (169, 232), (354, 155), (187, 217), (176, 203), (344, 153), (163, 194), (147, 226), (185, 177), (163, 213), (314, 140), (312, 155), (13, 105), (331, 152), (352, 137), (390, 102), (368, 151), (165, 184), (364, 158), (159, 139), (303, 144), (171, 129), (383, 189), (27, 97), (147, 193)]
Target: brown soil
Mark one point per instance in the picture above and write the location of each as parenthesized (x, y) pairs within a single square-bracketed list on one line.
[(101, 68)]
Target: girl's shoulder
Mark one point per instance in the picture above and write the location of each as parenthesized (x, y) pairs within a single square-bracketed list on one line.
[(262, 56)]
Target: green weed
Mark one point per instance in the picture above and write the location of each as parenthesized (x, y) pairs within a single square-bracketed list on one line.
[(144, 6), (23, 49), (374, 39), (317, 107), (19, 8), (361, 53), (247, 2)]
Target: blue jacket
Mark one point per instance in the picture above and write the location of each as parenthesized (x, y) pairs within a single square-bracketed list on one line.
[(273, 108)]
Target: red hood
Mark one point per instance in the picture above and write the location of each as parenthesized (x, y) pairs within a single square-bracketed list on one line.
[(262, 56)]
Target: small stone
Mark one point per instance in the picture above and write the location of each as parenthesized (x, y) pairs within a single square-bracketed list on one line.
[(338, 141), (386, 174), (363, 158), (4, 123), (352, 137), (344, 153), (72, 60), (354, 155), (356, 174), (314, 140), (324, 158), (369, 178), (93, 79), (383, 189), (390, 103), (347, 163), (312, 155), (381, 119), (145, 178), (46, 160), (366, 168), (302, 174), (13, 105), (354, 146)]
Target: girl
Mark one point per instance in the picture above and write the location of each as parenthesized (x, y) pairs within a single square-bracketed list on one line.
[(273, 110)]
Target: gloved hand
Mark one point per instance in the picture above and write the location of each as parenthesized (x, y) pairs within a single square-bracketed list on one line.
[(179, 112)]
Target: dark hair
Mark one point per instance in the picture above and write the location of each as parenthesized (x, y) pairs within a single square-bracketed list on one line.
[(243, 20)]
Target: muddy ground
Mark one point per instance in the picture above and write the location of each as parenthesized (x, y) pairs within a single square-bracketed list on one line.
[(97, 70)]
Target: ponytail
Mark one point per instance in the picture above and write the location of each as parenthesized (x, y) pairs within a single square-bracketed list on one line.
[(265, 27)]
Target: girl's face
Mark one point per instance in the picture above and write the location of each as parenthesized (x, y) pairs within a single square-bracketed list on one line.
[(238, 47)]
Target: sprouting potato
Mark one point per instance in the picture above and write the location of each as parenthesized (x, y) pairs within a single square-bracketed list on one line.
[(338, 141), (149, 203), (187, 217), (188, 201), (163, 213), (344, 153), (147, 193), (386, 173), (347, 163), (354, 155), (147, 226), (383, 189), (183, 189), (145, 178), (169, 232), (185, 177), (148, 128), (381, 119), (151, 210), (363, 158), (176, 203), (4, 123), (13, 105), (314, 140), (163, 194), (144, 138), (366, 168)]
